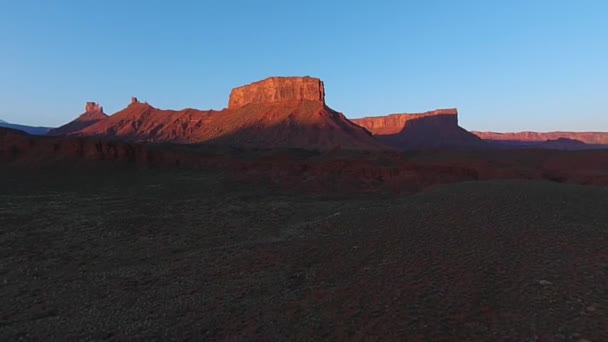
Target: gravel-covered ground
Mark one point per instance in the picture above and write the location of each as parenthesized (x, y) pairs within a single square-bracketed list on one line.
[(125, 254)]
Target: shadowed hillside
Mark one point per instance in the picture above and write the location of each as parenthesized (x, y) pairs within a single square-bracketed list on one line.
[(432, 130), (338, 170)]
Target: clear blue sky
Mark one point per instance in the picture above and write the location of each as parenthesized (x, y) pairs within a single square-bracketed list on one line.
[(507, 65)]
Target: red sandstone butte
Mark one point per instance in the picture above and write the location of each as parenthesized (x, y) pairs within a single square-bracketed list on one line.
[(278, 89), (93, 107), (93, 114)]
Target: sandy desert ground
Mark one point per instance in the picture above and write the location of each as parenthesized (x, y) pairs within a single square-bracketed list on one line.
[(121, 253)]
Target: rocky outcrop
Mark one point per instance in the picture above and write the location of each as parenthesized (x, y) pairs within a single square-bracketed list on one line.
[(93, 107), (430, 130), (278, 89), (92, 115)]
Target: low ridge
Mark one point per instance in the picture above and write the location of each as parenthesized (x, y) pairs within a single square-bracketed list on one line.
[(33, 130), (586, 137)]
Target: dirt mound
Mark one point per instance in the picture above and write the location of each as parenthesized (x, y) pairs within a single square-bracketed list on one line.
[(431, 130)]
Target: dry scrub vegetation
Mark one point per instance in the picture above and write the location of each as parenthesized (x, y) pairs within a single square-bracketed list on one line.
[(122, 253)]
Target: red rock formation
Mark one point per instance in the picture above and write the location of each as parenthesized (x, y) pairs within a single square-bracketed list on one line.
[(142, 122), (600, 138), (277, 89), (92, 107), (92, 115), (436, 129), (394, 123), (293, 116), (307, 125)]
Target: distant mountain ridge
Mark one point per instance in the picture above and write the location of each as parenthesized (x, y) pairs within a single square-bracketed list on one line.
[(33, 130), (527, 136)]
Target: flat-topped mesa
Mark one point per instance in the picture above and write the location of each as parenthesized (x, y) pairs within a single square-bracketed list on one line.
[(93, 107), (278, 89), (394, 123)]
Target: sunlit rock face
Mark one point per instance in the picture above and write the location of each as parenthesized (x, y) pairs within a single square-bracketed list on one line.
[(93, 107), (278, 89)]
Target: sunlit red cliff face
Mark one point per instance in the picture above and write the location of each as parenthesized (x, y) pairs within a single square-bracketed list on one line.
[(278, 89), (436, 129), (279, 112), (93, 114)]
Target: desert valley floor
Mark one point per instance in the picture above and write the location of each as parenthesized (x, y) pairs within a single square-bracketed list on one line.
[(115, 252)]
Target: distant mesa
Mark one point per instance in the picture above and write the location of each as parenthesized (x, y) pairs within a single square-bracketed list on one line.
[(431, 130), (278, 89), (526, 138), (33, 130), (394, 123)]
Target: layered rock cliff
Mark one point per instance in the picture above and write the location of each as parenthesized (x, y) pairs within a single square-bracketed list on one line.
[(278, 89), (430, 130)]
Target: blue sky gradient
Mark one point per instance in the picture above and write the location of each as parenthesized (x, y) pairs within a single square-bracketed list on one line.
[(506, 65)]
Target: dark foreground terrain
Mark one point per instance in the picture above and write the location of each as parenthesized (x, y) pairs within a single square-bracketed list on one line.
[(120, 253)]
